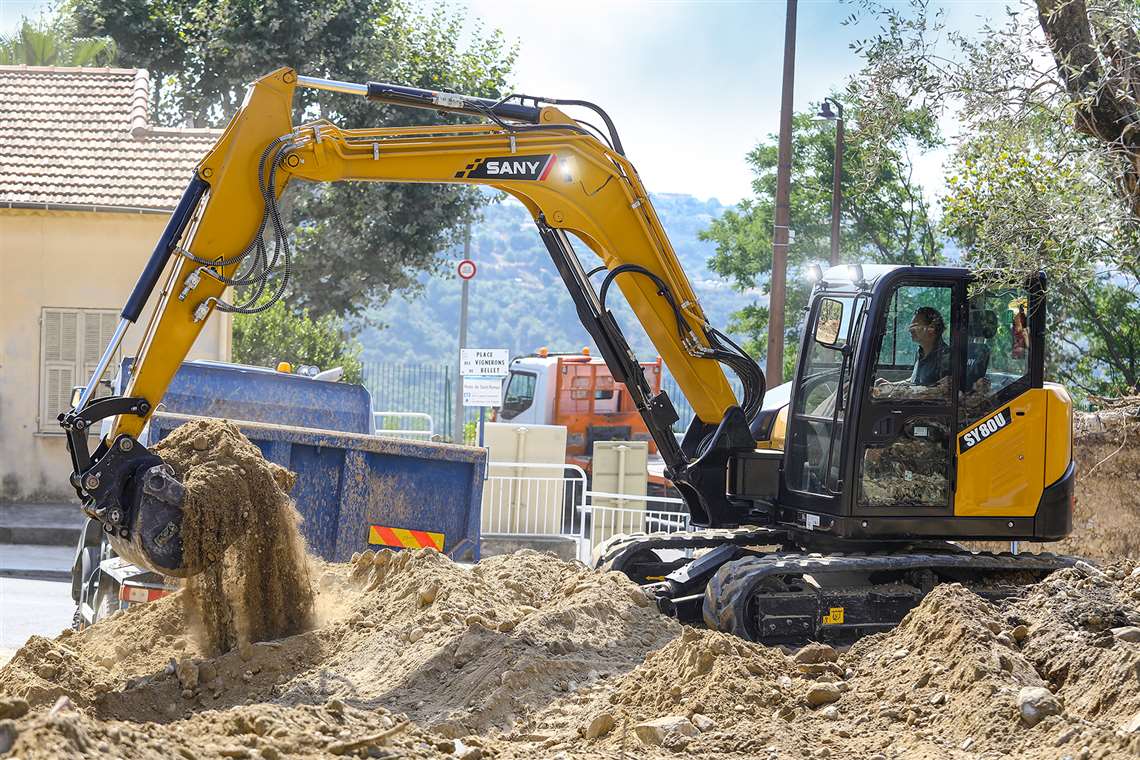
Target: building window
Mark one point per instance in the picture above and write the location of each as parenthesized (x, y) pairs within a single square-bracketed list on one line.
[(71, 342)]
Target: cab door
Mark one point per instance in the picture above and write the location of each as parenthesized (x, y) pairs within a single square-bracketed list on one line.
[(905, 454)]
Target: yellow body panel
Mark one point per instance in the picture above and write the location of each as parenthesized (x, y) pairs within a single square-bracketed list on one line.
[(1004, 475), (1059, 432), (779, 431), (593, 193)]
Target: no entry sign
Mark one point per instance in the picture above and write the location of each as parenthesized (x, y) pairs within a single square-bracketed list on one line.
[(466, 269)]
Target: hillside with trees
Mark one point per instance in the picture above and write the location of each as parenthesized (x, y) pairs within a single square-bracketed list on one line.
[(517, 299)]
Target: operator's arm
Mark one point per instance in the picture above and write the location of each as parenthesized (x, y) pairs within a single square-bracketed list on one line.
[(570, 181)]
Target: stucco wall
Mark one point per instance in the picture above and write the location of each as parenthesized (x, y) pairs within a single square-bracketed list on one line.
[(71, 260)]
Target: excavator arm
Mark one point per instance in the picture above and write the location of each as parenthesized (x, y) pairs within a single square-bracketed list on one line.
[(574, 184)]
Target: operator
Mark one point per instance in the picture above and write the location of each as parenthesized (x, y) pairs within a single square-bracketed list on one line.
[(933, 360), (931, 364)]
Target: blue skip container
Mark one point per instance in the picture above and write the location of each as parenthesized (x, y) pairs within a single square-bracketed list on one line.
[(355, 491), (358, 492)]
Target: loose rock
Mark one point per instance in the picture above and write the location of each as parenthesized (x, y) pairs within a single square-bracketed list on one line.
[(1035, 703), (658, 730), (815, 653), (823, 693), (601, 725), (1129, 633)]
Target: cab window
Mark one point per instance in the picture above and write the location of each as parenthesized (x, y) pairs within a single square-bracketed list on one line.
[(997, 351), (914, 361), (519, 395)]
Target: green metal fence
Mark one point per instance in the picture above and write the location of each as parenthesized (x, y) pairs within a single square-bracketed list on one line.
[(424, 388), (682, 405)]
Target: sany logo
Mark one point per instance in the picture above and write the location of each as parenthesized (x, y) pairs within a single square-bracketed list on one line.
[(984, 430), (513, 167), (509, 167)]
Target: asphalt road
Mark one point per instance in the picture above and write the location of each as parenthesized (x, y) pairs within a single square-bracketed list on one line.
[(29, 607)]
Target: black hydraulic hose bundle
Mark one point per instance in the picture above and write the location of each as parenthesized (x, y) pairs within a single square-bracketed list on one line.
[(261, 267), (721, 347)]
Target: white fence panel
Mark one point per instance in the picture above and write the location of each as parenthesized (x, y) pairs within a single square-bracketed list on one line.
[(527, 498), (380, 419), (603, 520)]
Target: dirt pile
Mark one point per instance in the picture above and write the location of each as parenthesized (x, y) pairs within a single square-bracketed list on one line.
[(1106, 449), (1106, 509), (242, 527), (524, 656), (269, 732)]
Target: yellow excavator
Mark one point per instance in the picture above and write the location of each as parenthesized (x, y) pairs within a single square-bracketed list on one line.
[(825, 508)]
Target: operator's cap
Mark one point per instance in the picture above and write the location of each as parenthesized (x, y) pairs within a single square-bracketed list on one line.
[(284, 367)]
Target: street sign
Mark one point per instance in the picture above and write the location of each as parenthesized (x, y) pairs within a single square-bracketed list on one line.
[(482, 391), (466, 269), (483, 362)]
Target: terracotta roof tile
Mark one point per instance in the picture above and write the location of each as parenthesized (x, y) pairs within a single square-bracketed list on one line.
[(82, 136)]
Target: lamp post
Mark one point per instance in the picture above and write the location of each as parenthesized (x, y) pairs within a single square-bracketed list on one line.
[(827, 114)]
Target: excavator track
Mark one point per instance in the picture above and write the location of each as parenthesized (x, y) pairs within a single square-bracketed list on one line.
[(766, 598), (633, 554)]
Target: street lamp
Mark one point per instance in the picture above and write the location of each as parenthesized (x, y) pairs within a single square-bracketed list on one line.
[(827, 114)]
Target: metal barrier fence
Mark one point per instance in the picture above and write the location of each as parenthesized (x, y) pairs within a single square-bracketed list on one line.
[(383, 422), (428, 388), (606, 515), (553, 499), (533, 498)]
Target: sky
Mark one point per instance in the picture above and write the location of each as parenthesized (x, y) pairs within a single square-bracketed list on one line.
[(691, 85)]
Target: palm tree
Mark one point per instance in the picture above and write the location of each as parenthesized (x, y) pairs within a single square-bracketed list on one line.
[(48, 43)]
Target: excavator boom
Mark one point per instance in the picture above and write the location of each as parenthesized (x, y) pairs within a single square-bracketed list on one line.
[(575, 185)]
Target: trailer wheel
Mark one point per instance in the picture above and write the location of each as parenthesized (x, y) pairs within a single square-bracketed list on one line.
[(106, 599)]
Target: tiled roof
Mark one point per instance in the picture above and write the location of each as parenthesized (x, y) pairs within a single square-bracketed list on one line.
[(81, 137)]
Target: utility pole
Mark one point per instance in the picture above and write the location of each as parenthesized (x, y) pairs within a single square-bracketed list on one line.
[(780, 236), (457, 421)]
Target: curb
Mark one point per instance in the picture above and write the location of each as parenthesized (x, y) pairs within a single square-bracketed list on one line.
[(35, 574), (40, 535)]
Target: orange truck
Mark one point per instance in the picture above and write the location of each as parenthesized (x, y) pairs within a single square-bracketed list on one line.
[(579, 392)]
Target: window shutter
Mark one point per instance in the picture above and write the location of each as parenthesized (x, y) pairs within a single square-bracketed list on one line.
[(60, 341), (60, 381)]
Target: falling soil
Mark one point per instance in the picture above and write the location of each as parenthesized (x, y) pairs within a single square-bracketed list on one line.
[(241, 526), (525, 656)]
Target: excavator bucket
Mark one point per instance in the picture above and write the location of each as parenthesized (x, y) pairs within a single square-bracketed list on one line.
[(139, 502), (155, 502)]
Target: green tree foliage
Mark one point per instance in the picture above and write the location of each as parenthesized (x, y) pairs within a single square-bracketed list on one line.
[(884, 217), (1045, 173), (53, 42), (1053, 209), (278, 334), (357, 243), (518, 300), (1070, 66)]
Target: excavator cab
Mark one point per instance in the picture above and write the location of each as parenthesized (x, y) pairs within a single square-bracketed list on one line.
[(917, 412)]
